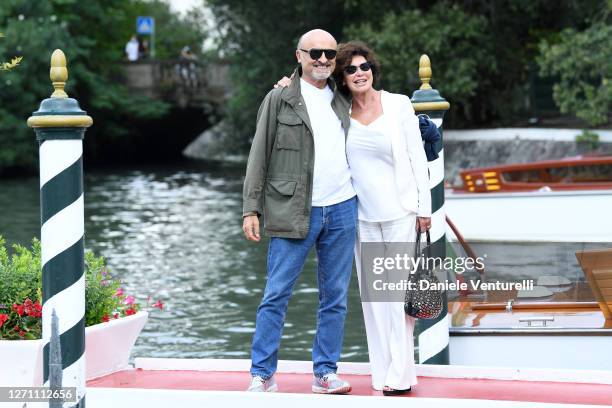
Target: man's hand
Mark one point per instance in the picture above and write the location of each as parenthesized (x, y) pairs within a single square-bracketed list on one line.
[(250, 226), (423, 223)]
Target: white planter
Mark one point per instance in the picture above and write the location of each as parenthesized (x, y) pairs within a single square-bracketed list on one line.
[(107, 350), (108, 345), (22, 365)]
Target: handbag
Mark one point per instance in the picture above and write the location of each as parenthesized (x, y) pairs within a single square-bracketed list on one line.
[(423, 304)]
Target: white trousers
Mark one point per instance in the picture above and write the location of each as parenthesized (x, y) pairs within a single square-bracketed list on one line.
[(389, 330)]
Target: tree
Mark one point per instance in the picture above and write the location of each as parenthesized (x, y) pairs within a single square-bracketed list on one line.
[(582, 62), (92, 34), (7, 66), (482, 50), (260, 39), (456, 42)]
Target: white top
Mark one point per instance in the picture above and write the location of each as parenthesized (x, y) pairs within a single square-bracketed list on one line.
[(370, 157), (332, 177), (131, 49)]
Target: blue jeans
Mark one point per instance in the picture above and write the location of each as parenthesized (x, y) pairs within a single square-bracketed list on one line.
[(332, 232)]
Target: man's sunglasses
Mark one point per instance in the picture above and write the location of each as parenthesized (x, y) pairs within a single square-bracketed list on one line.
[(351, 69), (315, 53)]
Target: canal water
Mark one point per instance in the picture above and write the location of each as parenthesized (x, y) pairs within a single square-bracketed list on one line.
[(174, 233)]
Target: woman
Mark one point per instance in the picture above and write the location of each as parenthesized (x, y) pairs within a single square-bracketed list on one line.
[(389, 173)]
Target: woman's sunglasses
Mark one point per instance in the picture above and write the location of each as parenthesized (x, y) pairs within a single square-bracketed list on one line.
[(351, 69), (315, 53)]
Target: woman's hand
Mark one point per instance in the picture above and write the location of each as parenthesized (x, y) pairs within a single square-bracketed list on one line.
[(423, 223), (284, 82)]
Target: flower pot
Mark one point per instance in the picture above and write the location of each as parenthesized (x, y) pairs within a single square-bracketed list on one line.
[(107, 350), (22, 363), (108, 345)]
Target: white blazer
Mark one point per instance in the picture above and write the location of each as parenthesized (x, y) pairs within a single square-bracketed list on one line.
[(409, 160)]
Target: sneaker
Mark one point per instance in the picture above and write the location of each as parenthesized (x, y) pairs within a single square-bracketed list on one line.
[(330, 384), (258, 384)]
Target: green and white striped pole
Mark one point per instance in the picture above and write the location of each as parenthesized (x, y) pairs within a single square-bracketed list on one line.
[(432, 335), (60, 126)]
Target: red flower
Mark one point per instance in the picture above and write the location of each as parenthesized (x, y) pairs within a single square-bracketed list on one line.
[(30, 308), (3, 318), (116, 315), (105, 318), (159, 305), (21, 333), (38, 309), (130, 311), (18, 308)]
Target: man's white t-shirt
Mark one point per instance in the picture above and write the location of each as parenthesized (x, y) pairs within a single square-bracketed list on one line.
[(131, 49), (332, 177)]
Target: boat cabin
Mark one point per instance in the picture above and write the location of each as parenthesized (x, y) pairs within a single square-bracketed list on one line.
[(573, 173)]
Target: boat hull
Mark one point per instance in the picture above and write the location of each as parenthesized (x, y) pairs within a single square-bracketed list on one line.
[(553, 349), (538, 216)]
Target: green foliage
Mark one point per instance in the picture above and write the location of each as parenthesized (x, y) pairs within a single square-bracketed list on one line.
[(20, 274), (462, 57), (93, 35), (20, 288), (20, 282), (588, 137), (482, 51), (172, 31), (6, 66), (100, 291), (582, 60), (260, 39)]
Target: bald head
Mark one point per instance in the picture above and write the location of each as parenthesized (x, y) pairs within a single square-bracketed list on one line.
[(316, 36), (316, 71)]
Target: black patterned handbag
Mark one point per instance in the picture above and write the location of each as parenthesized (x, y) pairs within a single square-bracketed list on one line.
[(423, 304)]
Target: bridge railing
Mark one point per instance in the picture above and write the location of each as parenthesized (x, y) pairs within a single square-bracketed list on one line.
[(180, 81)]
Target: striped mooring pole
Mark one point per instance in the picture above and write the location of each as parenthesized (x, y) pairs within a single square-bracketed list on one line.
[(432, 335), (60, 126)]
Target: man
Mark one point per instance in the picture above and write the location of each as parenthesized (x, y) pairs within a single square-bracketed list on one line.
[(298, 179), (131, 49)]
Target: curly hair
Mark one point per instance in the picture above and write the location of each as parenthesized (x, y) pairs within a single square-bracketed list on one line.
[(346, 52)]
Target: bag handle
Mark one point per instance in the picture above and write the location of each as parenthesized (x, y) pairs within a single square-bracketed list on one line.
[(417, 244)]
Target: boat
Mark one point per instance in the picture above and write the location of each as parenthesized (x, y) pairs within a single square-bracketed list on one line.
[(557, 323), (564, 200)]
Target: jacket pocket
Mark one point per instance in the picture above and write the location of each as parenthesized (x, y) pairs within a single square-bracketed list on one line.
[(279, 205), (288, 131)]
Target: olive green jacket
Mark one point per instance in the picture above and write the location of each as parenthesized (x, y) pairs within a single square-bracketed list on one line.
[(278, 182)]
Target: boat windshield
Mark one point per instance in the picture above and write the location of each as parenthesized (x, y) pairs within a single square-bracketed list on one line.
[(526, 280)]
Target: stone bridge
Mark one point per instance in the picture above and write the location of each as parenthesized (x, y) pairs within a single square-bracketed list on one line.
[(186, 84)]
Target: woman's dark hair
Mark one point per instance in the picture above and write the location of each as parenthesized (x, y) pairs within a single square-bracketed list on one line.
[(346, 52)]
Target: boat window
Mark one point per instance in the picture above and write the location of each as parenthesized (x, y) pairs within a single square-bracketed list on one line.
[(595, 173), (591, 173), (560, 175), (523, 176)]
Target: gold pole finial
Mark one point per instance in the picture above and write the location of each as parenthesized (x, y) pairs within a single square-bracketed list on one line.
[(58, 74), (425, 71)]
